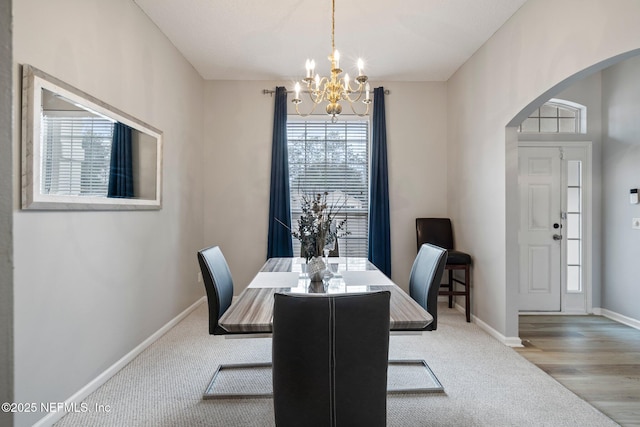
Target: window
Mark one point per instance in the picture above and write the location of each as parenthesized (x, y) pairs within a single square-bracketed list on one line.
[(76, 153), (574, 226), (332, 157), (556, 116)]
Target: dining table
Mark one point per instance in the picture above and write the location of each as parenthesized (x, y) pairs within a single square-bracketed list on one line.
[(252, 311)]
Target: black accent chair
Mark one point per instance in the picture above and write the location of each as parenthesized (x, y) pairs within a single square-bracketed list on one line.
[(330, 355), (218, 284), (425, 278), (439, 232)]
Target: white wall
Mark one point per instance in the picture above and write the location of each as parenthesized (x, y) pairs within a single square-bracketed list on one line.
[(91, 286), (621, 167), (237, 156), (543, 44), (6, 208)]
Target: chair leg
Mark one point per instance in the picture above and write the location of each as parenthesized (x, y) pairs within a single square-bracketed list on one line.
[(212, 393), (434, 386), (451, 287), (467, 292)]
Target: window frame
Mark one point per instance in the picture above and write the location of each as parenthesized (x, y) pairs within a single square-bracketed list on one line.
[(73, 139), (355, 244), (579, 119)]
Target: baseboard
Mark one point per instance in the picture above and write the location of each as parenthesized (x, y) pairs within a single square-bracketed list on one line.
[(629, 321), (80, 395), (516, 342), (508, 341), (553, 313)]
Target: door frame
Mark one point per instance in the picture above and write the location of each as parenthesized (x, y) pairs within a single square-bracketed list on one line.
[(587, 243)]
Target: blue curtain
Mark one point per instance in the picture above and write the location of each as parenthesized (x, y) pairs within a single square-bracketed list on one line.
[(121, 171), (279, 241), (379, 229)]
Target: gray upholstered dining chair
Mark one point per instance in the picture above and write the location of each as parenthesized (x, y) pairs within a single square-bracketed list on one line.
[(424, 281), (330, 355), (219, 286)]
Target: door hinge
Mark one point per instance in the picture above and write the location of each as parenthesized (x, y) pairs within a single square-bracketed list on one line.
[(561, 153)]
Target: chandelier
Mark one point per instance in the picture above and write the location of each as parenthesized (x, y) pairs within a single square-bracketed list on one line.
[(333, 89)]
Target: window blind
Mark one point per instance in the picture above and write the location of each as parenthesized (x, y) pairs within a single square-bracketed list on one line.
[(76, 153), (332, 157)]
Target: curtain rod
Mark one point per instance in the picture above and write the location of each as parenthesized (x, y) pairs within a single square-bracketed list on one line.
[(271, 91)]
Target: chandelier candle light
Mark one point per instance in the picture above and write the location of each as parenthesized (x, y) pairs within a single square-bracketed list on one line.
[(333, 89)]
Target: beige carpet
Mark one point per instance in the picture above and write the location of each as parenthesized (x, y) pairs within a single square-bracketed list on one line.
[(486, 383)]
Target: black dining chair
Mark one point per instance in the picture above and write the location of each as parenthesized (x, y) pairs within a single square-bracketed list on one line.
[(330, 355), (424, 280), (439, 232), (218, 284)]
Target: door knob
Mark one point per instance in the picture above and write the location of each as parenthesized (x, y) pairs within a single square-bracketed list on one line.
[(556, 225), (557, 237)]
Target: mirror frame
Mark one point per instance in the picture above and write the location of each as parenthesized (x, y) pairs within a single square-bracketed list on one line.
[(33, 83)]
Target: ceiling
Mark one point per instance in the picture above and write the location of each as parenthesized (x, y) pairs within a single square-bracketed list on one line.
[(403, 40)]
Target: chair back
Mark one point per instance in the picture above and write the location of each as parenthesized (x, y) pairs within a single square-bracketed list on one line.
[(218, 284), (437, 231), (330, 356), (425, 278)]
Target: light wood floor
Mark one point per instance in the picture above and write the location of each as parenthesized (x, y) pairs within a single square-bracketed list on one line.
[(596, 358)]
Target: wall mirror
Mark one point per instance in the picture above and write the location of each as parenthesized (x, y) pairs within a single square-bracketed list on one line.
[(80, 153)]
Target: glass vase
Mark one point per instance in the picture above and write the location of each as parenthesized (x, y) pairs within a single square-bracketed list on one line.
[(316, 269)]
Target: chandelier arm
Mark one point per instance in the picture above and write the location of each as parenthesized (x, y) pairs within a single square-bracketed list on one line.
[(360, 91), (366, 112), (322, 82), (315, 104), (313, 96), (348, 89), (317, 96)]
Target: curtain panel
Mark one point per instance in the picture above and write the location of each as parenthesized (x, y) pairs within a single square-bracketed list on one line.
[(379, 226), (121, 170), (279, 242)]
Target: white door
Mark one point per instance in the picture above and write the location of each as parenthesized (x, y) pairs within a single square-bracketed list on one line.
[(540, 228)]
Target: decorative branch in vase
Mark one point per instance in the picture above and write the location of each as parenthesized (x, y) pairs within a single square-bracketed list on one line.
[(318, 229)]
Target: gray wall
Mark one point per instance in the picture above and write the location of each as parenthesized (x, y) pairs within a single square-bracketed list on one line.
[(91, 286), (516, 66), (6, 197), (621, 172), (238, 159)]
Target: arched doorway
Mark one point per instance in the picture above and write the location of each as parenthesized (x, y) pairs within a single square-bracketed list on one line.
[(513, 268)]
